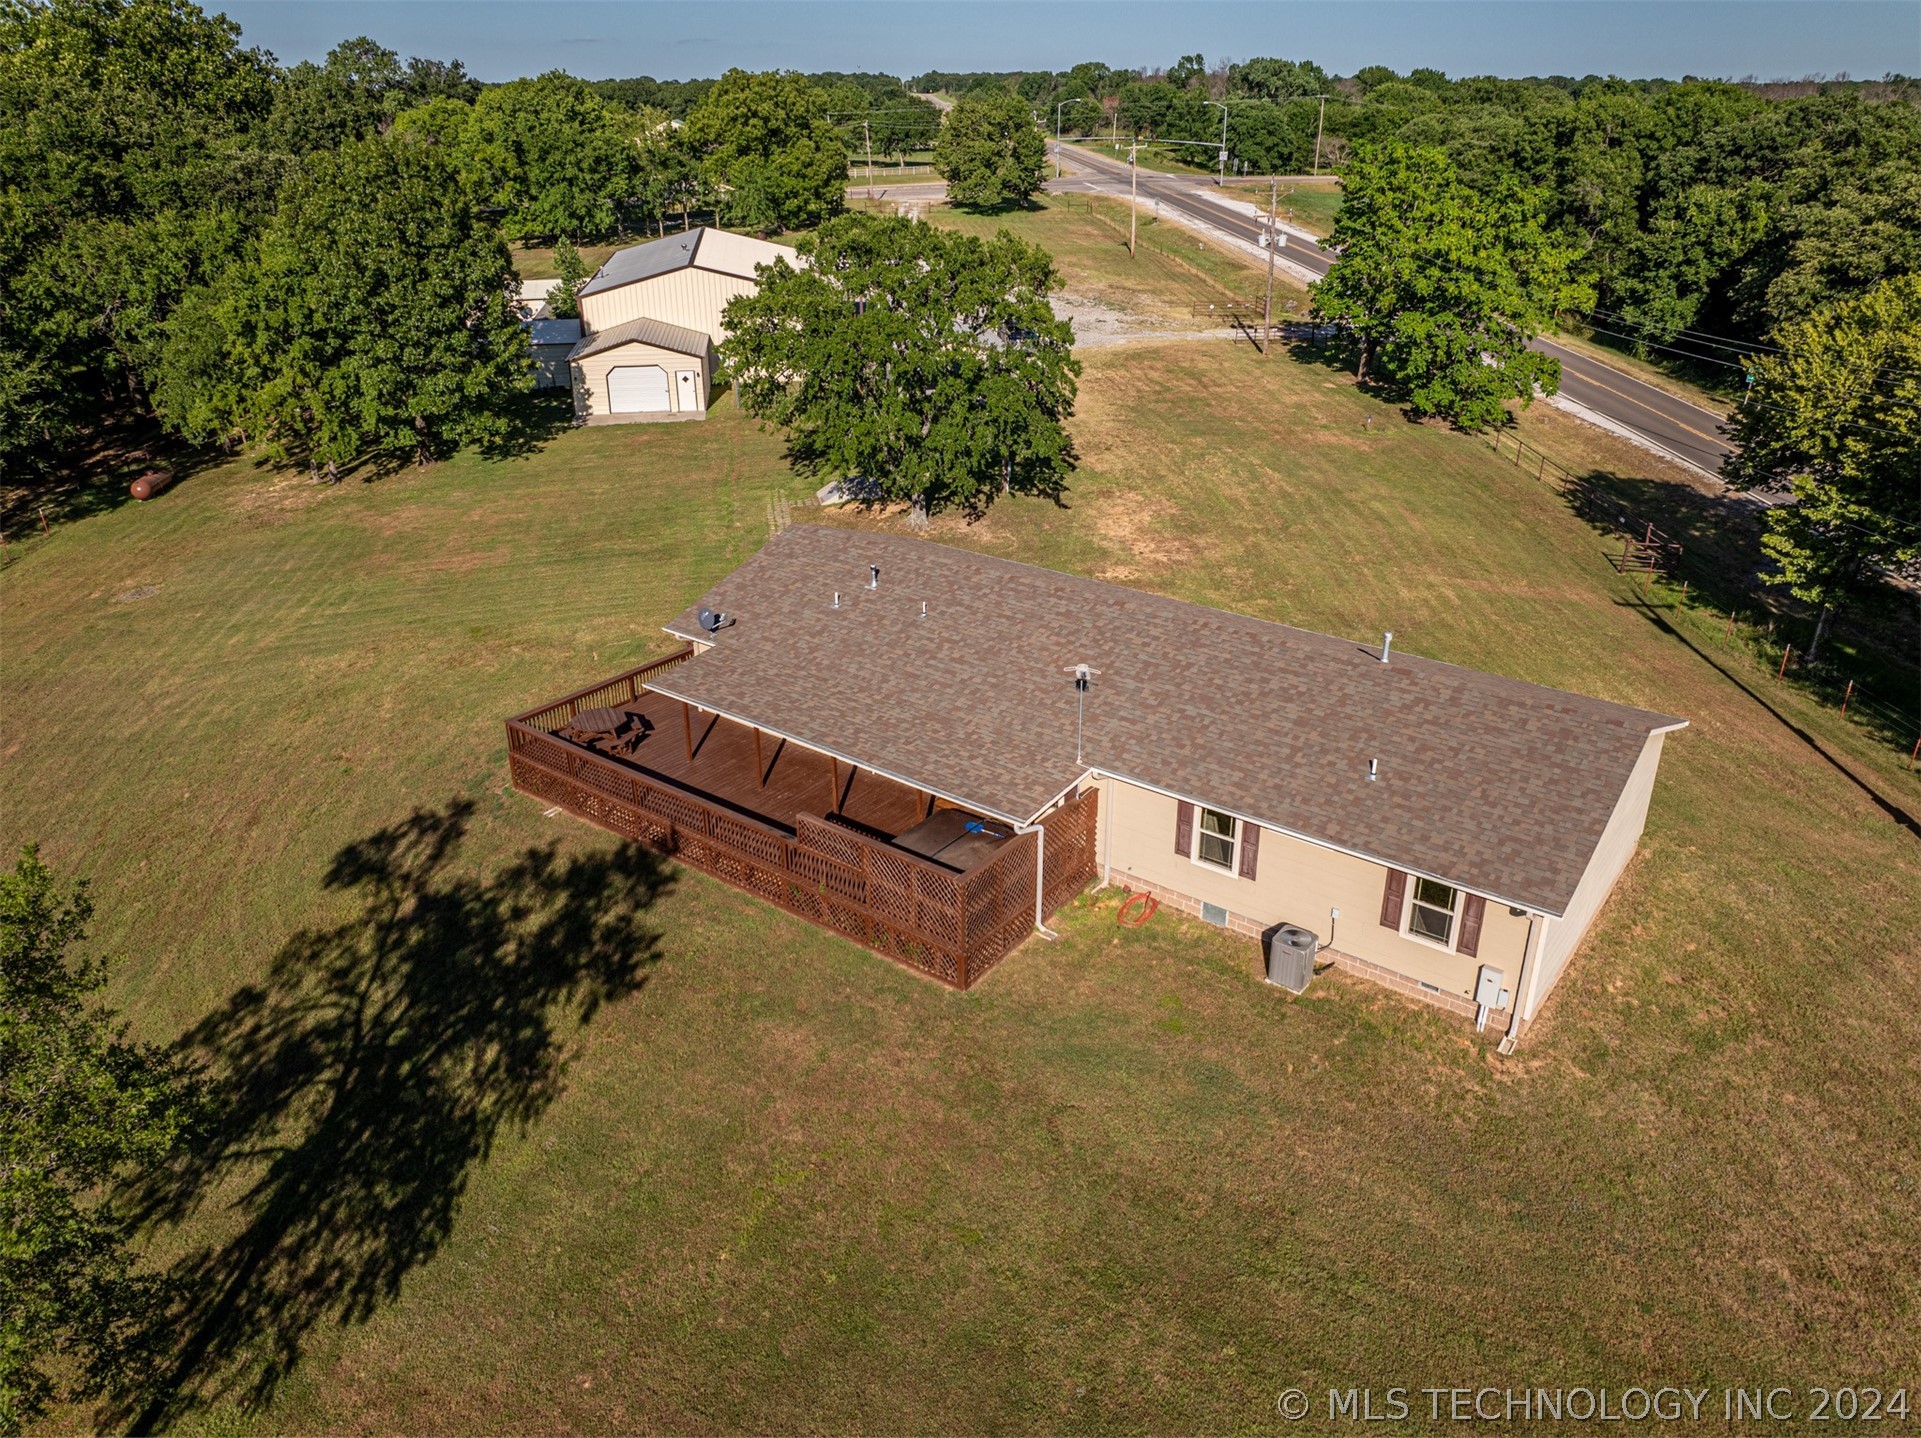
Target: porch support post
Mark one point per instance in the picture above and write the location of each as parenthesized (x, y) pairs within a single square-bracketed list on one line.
[(687, 728), (833, 784), (760, 769)]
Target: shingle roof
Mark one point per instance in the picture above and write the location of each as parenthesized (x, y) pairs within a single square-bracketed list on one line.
[(657, 333), (1499, 786)]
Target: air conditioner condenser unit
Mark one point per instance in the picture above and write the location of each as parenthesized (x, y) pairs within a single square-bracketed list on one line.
[(1290, 957)]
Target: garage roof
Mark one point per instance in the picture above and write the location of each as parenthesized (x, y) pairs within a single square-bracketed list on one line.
[(1496, 785), (657, 333)]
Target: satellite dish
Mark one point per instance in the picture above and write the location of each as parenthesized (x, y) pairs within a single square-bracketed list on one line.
[(709, 620)]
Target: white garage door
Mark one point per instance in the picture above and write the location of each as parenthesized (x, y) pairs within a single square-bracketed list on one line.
[(637, 389)]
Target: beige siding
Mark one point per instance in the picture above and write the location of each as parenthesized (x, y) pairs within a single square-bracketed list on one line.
[(1610, 857), (739, 254), (590, 376), (1298, 883), (691, 298)]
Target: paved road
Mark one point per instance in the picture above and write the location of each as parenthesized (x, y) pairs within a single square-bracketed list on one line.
[(1685, 431)]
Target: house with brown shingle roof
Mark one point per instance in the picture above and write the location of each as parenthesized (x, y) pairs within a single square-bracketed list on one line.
[(922, 712)]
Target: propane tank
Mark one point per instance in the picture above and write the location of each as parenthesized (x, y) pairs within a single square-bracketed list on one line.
[(151, 483)]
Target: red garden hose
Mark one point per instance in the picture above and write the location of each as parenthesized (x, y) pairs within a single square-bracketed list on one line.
[(1149, 905)]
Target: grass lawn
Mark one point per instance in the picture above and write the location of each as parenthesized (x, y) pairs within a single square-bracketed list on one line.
[(573, 1141), (1311, 204), (1162, 159), (1171, 271)]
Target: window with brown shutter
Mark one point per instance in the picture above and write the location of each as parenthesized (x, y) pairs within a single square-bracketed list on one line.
[(1250, 847), (1184, 830), (1472, 907), (1393, 899)]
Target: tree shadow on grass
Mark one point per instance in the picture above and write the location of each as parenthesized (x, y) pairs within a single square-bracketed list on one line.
[(533, 420), (357, 1086)]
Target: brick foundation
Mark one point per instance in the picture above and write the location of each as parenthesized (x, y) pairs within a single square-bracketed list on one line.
[(1361, 968)]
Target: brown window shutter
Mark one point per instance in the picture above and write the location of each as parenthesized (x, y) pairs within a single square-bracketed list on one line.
[(1472, 907), (1392, 899), (1250, 848), (1184, 830)]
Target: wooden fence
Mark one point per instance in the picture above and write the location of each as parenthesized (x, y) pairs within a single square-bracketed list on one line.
[(952, 926)]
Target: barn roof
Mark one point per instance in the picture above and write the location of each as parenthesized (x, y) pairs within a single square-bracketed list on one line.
[(674, 252), (1496, 785)]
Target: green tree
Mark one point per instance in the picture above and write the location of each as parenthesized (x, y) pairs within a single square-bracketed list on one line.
[(82, 1108), (130, 171), (563, 300), (1442, 288), (990, 152), (1265, 78), (1836, 414), (380, 315), (552, 154), (355, 92), (1186, 71), (769, 151), (928, 365)]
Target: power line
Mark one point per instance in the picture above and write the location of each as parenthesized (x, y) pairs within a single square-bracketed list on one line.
[(1700, 337)]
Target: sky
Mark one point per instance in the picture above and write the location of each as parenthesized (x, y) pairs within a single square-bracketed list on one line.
[(601, 39)]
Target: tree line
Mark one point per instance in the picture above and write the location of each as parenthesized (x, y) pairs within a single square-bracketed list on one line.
[(1693, 207)]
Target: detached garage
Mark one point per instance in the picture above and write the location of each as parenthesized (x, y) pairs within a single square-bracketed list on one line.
[(642, 370)]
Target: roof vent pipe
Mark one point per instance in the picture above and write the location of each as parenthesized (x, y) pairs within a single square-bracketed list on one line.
[(836, 599), (1387, 643), (1373, 770), (923, 609), (873, 576)]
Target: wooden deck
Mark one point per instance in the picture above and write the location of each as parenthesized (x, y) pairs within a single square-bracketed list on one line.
[(800, 830)]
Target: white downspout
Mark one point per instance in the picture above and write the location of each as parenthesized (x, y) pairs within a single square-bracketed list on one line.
[(1040, 876), (1525, 983)]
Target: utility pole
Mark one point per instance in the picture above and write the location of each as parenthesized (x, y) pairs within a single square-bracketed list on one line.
[(1133, 192), (867, 131), (1317, 135), (1273, 234)]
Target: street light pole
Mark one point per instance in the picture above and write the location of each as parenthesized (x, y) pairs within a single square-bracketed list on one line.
[(1222, 182), (1071, 100), (1317, 135)]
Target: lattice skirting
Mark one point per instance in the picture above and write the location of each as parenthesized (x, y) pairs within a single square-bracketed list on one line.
[(905, 913)]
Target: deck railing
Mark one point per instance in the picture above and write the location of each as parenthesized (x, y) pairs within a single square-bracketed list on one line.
[(621, 689), (954, 926)]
